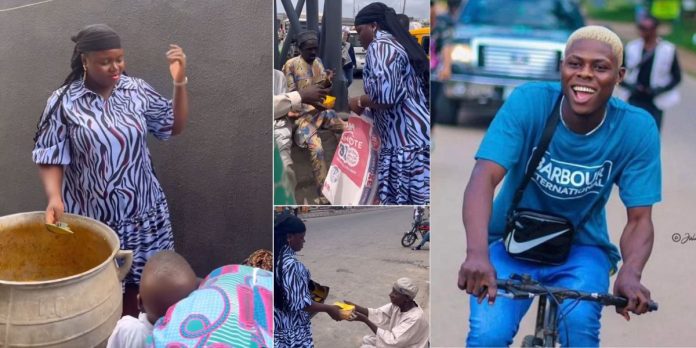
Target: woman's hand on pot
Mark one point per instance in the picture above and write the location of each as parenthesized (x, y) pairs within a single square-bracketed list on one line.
[(177, 63), (54, 210)]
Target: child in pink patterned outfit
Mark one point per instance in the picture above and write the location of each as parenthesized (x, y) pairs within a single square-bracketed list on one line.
[(233, 307), (166, 279)]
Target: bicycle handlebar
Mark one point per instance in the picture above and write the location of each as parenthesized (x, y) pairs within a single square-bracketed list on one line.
[(527, 288)]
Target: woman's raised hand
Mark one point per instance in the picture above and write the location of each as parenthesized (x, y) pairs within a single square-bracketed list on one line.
[(177, 63)]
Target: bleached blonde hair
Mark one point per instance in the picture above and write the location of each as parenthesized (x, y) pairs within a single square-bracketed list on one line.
[(601, 34)]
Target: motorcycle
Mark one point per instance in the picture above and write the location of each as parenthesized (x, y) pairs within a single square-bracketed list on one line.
[(418, 227)]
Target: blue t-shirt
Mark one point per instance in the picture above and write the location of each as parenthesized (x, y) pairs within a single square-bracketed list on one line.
[(577, 170)]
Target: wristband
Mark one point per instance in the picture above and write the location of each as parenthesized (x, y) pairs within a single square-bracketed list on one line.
[(181, 83)]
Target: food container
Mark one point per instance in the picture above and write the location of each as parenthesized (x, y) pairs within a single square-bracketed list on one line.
[(346, 310), (59, 290), (329, 102)]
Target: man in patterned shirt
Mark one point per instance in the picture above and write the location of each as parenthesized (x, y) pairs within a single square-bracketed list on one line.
[(301, 72)]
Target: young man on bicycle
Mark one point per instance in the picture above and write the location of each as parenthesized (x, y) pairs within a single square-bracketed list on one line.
[(598, 141)]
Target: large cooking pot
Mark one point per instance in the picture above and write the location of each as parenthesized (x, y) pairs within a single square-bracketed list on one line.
[(59, 290)]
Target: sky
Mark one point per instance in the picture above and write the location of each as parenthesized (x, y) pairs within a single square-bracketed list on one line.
[(414, 8)]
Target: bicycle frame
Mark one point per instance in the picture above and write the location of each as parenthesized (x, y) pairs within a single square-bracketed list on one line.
[(546, 327)]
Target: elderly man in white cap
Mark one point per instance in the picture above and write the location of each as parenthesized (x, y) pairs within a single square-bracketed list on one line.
[(400, 323)]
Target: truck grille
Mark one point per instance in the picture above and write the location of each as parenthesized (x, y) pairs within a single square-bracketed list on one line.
[(519, 61)]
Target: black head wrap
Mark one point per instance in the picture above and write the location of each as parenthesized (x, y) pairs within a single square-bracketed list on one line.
[(387, 19), (305, 36), (288, 224), (96, 37), (285, 225), (374, 12)]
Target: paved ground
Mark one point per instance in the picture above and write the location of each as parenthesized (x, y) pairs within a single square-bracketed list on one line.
[(671, 270), (356, 88), (360, 256)]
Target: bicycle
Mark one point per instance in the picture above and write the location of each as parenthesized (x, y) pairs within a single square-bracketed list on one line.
[(546, 330)]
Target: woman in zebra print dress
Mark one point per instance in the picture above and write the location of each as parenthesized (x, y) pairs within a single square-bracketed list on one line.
[(396, 79), (291, 296), (91, 146)]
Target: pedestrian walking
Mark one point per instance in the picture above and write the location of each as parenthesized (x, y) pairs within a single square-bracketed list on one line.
[(653, 71)]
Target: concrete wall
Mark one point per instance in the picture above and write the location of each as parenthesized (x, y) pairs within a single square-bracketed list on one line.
[(217, 175)]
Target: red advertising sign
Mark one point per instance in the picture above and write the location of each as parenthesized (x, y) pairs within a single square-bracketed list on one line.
[(353, 150)]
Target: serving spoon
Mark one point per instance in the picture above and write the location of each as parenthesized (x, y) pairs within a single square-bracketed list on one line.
[(59, 228)]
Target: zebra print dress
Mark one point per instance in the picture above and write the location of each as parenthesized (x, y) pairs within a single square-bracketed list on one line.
[(404, 129), (292, 326), (108, 173)]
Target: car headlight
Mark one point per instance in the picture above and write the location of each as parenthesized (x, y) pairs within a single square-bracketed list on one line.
[(462, 53)]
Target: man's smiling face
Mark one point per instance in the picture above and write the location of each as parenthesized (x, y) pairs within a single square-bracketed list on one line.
[(589, 73)]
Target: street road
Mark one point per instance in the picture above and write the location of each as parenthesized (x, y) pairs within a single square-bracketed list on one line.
[(359, 256), (356, 88), (670, 273)]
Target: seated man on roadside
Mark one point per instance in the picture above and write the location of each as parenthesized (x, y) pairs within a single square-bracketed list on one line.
[(301, 72), (400, 323), (167, 278)]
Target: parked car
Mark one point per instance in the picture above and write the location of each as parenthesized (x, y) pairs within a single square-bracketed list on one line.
[(500, 44)]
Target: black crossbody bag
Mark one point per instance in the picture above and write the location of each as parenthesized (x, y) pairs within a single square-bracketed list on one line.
[(536, 236)]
